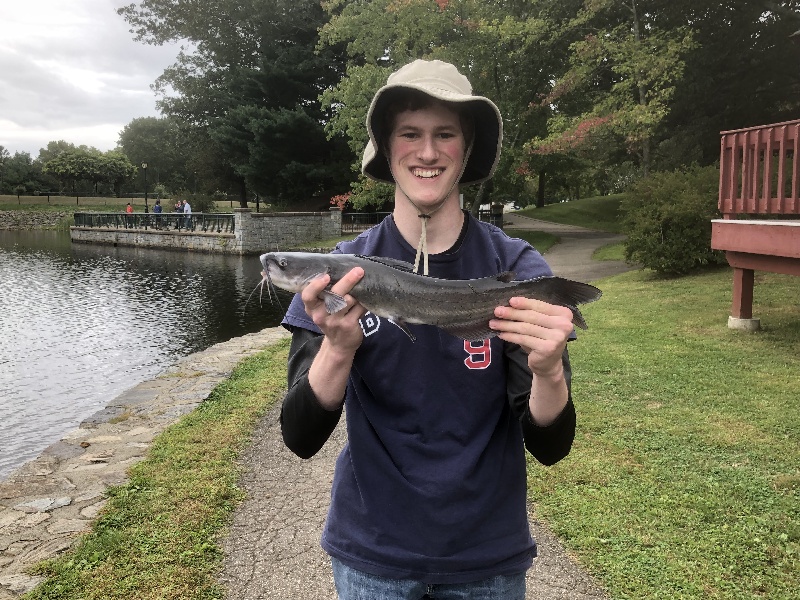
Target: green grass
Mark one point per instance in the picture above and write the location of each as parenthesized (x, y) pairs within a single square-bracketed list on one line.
[(538, 239), (600, 212), (610, 252), (684, 480), (156, 538)]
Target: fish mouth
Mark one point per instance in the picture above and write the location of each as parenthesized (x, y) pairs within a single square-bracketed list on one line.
[(266, 280)]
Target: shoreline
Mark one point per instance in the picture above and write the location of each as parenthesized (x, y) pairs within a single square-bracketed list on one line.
[(50, 501)]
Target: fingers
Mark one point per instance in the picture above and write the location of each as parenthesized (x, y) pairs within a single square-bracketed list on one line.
[(533, 317), (346, 283), (312, 294), (539, 328), (341, 327)]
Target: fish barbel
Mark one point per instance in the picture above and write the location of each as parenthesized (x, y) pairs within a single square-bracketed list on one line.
[(390, 289)]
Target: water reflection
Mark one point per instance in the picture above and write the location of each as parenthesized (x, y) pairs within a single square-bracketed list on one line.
[(81, 323)]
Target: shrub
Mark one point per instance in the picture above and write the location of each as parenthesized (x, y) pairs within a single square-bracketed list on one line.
[(668, 220), (200, 203)]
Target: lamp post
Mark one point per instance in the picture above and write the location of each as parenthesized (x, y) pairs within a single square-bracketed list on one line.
[(144, 168)]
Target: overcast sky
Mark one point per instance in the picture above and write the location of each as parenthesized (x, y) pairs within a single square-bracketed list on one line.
[(70, 70)]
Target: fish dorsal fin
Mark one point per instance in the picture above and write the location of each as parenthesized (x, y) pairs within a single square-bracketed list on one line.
[(401, 265), (506, 276)]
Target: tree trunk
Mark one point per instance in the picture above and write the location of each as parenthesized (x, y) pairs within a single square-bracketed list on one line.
[(540, 193), (480, 198), (242, 193), (642, 94)]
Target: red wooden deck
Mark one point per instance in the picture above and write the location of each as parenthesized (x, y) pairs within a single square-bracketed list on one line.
[(759, 176)]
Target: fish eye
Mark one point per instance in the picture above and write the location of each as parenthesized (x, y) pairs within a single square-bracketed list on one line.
[(282, 262)]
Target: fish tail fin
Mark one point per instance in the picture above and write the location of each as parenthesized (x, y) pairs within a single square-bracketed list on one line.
[(572, 293)]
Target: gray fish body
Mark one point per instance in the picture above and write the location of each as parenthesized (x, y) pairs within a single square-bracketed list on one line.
[(389, 289)]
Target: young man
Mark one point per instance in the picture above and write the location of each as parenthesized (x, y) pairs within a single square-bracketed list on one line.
[(429, 494)]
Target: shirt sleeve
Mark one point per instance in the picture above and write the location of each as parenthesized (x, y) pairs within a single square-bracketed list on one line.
[(305, 424), (553, 442)]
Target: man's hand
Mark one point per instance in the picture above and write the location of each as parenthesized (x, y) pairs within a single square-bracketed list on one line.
[(539, 328), (542, 331), (330, 370)]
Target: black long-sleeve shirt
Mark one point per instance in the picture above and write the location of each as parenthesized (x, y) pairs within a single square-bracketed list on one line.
[(306, 425)]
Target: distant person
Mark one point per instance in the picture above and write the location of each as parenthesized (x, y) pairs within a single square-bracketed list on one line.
[(187, 213), (129, 208), (178, 207), (158, 209)]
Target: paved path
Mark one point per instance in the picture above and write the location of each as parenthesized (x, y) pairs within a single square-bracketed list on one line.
[(273, 551)]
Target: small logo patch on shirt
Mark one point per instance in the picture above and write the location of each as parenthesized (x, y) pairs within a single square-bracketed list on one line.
[(369, 324)]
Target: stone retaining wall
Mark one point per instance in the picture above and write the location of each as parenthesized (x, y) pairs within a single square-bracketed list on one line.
[(23, 219), (171, 240), (262, 232), (255, 233)]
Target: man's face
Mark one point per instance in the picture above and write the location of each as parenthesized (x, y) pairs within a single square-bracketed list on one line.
[(426, 153)]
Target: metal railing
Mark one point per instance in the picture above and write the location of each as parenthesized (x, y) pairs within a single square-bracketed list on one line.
[(198, 222), (355, 222)]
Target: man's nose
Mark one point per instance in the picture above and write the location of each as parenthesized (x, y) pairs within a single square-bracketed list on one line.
[(428, 150)]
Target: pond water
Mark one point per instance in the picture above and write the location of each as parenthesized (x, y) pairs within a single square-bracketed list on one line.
[(81, 323)]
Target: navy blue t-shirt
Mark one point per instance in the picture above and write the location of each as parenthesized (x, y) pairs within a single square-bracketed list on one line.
[(431, 484)]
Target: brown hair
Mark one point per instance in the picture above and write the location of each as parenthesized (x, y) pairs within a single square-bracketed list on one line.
[(407, 99)]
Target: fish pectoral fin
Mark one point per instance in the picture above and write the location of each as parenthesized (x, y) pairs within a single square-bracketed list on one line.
[(333, 302), (403, 327)]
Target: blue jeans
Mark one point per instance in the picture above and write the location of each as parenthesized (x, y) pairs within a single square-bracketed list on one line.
[(357, 585)]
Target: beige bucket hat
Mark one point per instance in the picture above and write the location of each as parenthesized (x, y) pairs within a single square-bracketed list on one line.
[(440, 80)]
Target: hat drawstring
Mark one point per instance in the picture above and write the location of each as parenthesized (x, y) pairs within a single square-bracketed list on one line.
[(422, 247)]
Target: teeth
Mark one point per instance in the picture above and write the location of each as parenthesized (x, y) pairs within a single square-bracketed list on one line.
[(427, 173)]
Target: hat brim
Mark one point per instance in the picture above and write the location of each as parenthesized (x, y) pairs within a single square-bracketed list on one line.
[(486, 146)]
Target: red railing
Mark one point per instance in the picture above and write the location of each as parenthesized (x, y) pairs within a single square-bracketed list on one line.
[(760, 170)]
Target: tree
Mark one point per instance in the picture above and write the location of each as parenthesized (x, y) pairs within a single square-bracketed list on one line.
[(116, 169), (621, 74), (493, 43), (4, 156), (251, 83), (159, 142), (53, 149), (742, 72), (90, 165), (19, 174)]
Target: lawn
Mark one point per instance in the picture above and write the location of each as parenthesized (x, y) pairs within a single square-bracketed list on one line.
[(684, 480), (599, 212)]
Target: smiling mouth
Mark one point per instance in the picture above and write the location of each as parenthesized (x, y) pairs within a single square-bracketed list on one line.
[(427, 173)]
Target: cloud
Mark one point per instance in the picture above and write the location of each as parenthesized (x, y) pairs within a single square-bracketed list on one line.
[(71, 71)]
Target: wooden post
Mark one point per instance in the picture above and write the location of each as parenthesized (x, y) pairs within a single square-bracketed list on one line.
[(742, 293)]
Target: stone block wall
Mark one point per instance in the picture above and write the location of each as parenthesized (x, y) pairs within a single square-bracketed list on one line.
[(22, 219), (255, 233), (170, 240), (266, 232)]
